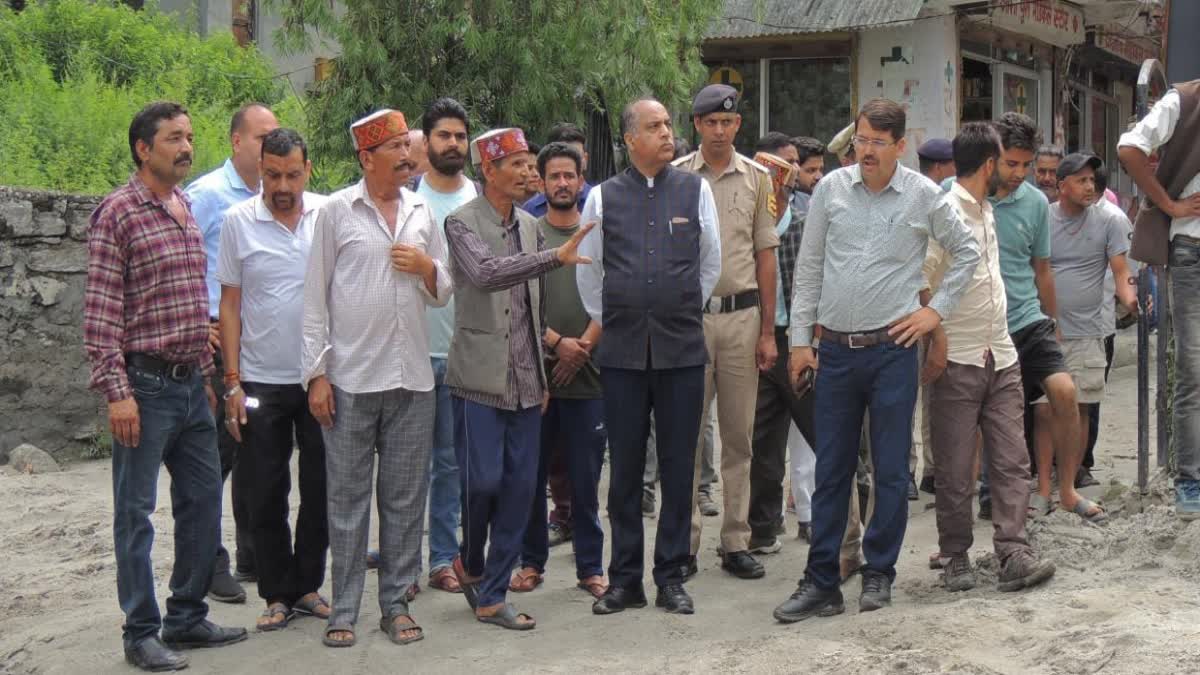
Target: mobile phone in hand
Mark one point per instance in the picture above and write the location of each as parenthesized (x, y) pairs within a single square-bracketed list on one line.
[(805, 385)]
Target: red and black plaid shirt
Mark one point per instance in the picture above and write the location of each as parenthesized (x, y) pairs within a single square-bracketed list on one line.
[(145, 287)]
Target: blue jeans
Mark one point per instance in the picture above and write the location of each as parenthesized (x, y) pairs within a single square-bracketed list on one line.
[(1183, 283), (445, 491), (575, 428), (177, 429), (883, 380)]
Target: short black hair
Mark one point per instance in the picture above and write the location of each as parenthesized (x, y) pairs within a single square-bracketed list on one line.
[(145, 124), (808, 147), (557, 149), (440, 109), (239, 117), (1018, 132), (772, 141), (885, 115), (975, 144), (281, 142), (566, 132), (1101, 176)]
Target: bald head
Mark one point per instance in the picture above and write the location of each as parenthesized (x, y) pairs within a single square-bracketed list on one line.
[(418, 152), (249, 126), (646, 128)]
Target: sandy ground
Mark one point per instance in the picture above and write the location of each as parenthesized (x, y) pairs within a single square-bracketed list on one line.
[(1124, 601)]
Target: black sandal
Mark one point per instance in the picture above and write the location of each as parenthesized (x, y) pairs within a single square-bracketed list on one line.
[(393, 630), (508, 618), (344, 628)]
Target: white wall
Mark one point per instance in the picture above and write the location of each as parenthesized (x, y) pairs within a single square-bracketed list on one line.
[(925, 81), (268, 23)]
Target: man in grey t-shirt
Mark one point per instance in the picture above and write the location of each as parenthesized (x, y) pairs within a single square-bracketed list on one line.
[(1086, 242)]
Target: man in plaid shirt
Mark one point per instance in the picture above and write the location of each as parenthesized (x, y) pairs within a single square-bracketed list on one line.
[(146, 334)]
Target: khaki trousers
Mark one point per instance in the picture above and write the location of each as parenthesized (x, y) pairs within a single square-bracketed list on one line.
[(732, 376)]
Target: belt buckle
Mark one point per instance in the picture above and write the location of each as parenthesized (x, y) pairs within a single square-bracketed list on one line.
[(850, 341), (178, 371)]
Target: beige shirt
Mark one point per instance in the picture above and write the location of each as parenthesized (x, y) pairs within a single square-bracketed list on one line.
[(979, 324), (743, 193)]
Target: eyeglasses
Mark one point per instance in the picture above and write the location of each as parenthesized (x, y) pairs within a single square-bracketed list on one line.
[(871, 142)]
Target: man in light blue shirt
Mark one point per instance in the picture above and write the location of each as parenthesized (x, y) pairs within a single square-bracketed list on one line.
[(858, 279), (210, 196), (446, 188)]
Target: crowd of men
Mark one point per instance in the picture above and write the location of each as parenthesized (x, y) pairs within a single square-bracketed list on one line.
[(465, 342)]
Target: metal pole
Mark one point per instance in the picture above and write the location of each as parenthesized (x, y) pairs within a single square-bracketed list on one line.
[(1162, 381), (1143, 382)]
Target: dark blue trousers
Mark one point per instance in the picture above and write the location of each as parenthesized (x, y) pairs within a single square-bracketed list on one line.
[(497, 452), (575, 428), (676, 396), (882, 379)]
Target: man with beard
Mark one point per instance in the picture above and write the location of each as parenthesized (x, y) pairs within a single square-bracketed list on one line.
[(265, 243), (573, 428), (146, 330), (574, 137), (857, 279), (975, 385), (211, 195), (778, 406), (494, 368), (1045, 170), (377, 261), (445, 187), (810, 168), (658, 231)]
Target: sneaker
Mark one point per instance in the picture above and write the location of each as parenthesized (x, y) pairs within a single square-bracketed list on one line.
[(1084, 478), (958, 575), (707, 506), (927, 485), (809, 601), (649, 508), (985, 511), (223, 588), (1187, 498), (765, 545), (876, 591), (559, 534), (1023, 570)]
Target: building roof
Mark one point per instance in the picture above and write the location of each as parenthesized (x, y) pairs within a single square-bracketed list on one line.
[(742, 19)]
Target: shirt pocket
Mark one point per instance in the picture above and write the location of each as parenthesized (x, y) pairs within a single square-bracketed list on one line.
[(743, 205)]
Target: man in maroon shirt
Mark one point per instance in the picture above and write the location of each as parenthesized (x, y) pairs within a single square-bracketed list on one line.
[(146, 334)]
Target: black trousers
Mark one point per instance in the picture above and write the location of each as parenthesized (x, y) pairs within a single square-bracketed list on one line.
[(778, 407), (676, 397), (286, 572), (228, 449)]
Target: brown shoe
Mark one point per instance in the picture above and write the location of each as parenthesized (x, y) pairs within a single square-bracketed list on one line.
[(1024, 570), (525, 580), (594, 585), (851, 566), (443, 579)]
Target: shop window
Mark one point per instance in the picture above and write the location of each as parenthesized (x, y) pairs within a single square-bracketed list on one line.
[(1021, 95), (743, 76), (976, 90), (809, 97)]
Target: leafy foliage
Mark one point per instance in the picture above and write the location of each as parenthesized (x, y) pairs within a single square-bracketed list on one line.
[(528, 63), (74, 73)]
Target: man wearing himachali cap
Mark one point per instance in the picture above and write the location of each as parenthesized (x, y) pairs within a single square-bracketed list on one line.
[(494, 368), (377, 260)]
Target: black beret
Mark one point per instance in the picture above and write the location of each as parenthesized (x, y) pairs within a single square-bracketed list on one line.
[(715, 98)]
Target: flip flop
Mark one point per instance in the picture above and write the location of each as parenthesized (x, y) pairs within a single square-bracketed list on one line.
[(393, 630), (1084, 505), (273, 610), (508, 617), (525, 580), (309, 607), (1039, 506), (330, 642), (470, 590)]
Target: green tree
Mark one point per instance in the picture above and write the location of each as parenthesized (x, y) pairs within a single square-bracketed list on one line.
[(528, 63)]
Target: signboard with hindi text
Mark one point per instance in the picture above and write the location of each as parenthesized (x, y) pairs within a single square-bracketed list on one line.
[(1052, 21), (1130, 48)]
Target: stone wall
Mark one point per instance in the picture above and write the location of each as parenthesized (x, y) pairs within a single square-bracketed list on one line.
[(44, 397)]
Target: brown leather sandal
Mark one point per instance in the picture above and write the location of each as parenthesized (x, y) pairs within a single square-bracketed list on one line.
[(525, 580), (444, 579), (594, 585)]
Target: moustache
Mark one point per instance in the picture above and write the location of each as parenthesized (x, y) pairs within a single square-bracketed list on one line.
[(406, 165), (185, 158), (284, 198)]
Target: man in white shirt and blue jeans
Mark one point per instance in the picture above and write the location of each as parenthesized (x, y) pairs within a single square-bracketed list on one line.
[(264, 248)]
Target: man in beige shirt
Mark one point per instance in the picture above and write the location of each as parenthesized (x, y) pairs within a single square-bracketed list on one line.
[(976, 387), (739, 321)]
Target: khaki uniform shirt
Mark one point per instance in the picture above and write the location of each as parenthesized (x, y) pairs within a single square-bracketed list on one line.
[(743, 194)]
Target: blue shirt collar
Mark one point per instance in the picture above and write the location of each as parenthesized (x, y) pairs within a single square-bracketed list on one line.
[(235, 180)]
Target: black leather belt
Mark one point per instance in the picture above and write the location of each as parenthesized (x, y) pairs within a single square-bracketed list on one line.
[(732, 303), (857, 340), (152, 364)]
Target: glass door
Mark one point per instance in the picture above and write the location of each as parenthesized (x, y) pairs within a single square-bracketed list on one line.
[(1017, 91)]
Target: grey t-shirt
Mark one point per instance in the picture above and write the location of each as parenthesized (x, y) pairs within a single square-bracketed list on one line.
[(1080, 247)]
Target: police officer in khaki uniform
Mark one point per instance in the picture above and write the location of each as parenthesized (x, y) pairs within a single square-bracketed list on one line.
[(739, 320)]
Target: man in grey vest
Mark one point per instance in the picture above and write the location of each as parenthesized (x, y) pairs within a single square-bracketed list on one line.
[(1167, 232), (658, 257), (495, 368)]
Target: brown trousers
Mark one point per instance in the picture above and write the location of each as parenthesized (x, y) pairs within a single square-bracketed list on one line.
[(971, 399)]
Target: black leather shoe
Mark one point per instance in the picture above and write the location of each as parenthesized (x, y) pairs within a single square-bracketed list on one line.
[(1084, 478), (876, 591), (618, 599), (691, 568), (809, 601), (223, 587), (204, 634), (674, 600), (153, 656), (927, 485), (742, 565)]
